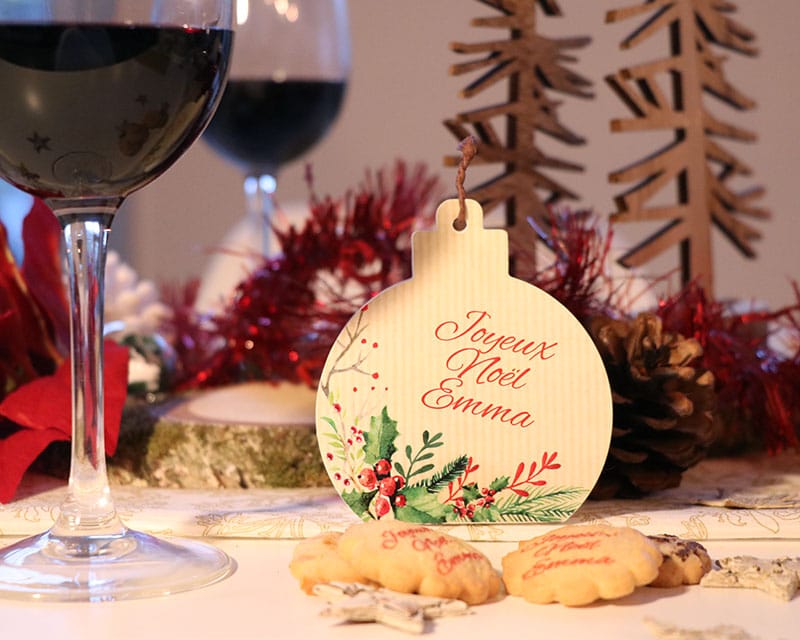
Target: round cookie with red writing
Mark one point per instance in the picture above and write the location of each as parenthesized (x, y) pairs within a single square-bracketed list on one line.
[(578, 564), (412, 558)]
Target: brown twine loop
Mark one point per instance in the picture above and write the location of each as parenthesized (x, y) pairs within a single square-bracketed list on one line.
[(469, 149)]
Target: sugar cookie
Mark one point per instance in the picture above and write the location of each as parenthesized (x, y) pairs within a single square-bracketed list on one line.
[(578, 564), (412, 558), (316, 560)]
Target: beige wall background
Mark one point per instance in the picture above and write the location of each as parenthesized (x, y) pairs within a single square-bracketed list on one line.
[(401, 91)]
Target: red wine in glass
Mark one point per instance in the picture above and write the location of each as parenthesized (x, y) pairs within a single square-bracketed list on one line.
[(115, 105), (264, 124)]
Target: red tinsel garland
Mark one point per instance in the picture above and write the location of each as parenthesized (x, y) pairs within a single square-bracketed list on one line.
[(757, 389), (578, 276), (285, 316)]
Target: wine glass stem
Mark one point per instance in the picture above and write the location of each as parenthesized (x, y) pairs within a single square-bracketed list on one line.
[(259, 191), (88, 508)]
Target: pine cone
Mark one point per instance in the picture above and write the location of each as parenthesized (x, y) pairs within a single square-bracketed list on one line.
[(662, 421)]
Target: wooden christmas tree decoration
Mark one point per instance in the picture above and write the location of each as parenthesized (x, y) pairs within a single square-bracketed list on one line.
[(694, 162), (533, 65)]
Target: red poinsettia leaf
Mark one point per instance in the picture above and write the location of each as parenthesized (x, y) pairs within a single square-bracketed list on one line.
[(42, 267), (26, 340), (116, 391), (17, 453), (25, 406), (42, 404)]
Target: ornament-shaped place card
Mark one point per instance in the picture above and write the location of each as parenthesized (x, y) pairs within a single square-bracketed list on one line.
[(463, 395)]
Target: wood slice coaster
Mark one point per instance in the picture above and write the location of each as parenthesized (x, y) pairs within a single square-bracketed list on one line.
[(252, 435)]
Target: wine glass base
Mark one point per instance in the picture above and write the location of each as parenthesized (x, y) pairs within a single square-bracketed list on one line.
[(129, 565)]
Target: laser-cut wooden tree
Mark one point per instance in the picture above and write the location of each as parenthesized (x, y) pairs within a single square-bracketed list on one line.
[(533, 66), (694, 162)]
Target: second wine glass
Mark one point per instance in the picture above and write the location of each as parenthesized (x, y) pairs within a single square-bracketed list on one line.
[(290, 66)]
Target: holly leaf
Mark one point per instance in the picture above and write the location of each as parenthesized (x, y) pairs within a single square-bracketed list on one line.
[(421, 506), (487, 514), (498, 484), (379, 440), (359, 501), (470, 492)]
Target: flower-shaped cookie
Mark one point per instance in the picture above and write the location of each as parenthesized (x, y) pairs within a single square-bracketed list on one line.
[(412, 558), (578, 564)]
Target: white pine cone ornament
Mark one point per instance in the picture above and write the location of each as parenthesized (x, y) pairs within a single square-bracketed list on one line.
[(133, 316), (663, 403), (132, 306)]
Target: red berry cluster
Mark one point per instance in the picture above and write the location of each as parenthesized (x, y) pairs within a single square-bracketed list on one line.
[(487, 499), (379, 477), (467, 509), (464, 510), (356, 436)]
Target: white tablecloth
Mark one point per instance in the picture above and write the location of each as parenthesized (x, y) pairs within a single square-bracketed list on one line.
[(262, 601), (693, 511)]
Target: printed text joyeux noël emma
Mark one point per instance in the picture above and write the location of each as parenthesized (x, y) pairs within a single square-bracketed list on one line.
[(478, 358)]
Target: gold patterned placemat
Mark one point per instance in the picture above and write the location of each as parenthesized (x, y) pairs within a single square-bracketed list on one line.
[(743, 498)]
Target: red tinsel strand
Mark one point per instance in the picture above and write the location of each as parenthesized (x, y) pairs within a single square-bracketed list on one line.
[(286, 314), (578, 276), (186, 333), (754, 385), (751, 380)]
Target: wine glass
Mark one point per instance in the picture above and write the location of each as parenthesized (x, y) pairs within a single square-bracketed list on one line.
[(289, 72), (99, 98)]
